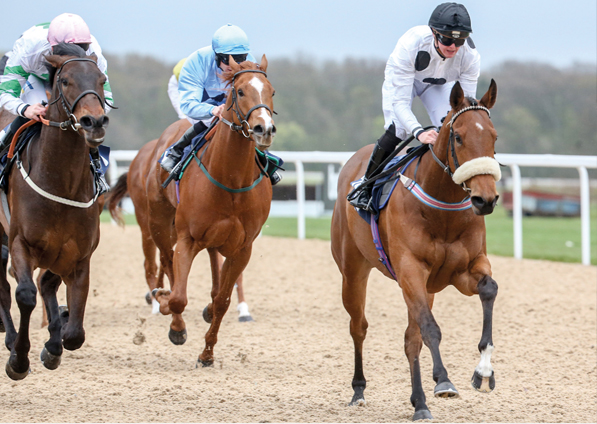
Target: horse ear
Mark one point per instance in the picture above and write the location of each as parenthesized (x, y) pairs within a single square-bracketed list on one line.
[(490, 97), (263, 64), (456, 96), (232, 63), (54, 60)]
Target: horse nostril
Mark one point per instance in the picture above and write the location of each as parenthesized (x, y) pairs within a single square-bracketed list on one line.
[(274, 131), (87, 122), (105, 121), (258, 129), (478, 202)]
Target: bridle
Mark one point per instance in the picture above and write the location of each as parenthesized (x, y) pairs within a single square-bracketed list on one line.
[(451, 151), (244, 128), (72, 121)]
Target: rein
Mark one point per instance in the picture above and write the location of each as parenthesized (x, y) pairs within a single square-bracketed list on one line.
[(244, 128)]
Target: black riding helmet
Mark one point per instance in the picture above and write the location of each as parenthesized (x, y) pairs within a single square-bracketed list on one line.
[(452, 20)]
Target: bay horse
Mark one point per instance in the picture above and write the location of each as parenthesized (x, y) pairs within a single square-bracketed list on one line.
[(427, 249), (134, 183), (54, 216), (220, 204)]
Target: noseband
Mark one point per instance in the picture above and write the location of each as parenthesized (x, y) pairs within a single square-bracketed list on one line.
[(68, 108), (244, 128), (477, 166)]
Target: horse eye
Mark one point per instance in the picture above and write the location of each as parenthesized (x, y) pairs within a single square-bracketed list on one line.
[(458, 139), (240, 93), (64, 82), (273, 94)]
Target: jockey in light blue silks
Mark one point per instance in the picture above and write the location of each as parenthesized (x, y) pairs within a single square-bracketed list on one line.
[(201, 90)]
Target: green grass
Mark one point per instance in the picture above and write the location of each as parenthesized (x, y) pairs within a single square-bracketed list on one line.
[(556, 239)]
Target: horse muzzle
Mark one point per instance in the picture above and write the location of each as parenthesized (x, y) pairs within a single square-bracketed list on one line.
[(95, 129), (263, 135), (483, 206)]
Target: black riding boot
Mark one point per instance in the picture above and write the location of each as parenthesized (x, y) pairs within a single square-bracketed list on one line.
[(173, 156), (6, 136), (100, 179), (361, 198)]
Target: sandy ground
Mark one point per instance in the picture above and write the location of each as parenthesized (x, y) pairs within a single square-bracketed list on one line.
[(295, 362)]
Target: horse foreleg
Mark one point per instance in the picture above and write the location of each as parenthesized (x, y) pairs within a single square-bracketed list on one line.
[(44, 313), (413, 342), (243, 309), (17, 366), (185, 252), (151, 268), (483, 378), (413, 280), (77, 289), (231, 269), (51, 354)]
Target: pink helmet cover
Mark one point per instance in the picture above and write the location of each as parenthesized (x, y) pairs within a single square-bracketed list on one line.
[(68, 28)]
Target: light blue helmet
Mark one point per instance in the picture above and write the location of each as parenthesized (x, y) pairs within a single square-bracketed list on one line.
[(230, 39)]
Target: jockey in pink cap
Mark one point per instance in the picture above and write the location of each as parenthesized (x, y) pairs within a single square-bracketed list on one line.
[(24, 75), (68, 28)]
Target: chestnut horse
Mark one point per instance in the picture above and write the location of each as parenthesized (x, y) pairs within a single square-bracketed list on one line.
[(54, 217), (134, 183), (428, 248), (220, 204)]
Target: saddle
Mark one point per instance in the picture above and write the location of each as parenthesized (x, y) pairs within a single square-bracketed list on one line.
[(23, 136)]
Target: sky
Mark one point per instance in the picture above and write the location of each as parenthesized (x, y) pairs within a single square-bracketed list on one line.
[(555, 32)]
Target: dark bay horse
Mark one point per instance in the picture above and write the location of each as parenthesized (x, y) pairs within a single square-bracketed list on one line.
[(134, 182), (54, 215), (224, 200), (428, 248)]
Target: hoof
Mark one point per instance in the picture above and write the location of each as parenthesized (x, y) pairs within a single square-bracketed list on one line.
[(178, 337), (423, 414), (358, 402), (148, 298), (204, 364), (206, 316), (445, 390), (50, 361), (483, 384), (16, 375), (246, 318)]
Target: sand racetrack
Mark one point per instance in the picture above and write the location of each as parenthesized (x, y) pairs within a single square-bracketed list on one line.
[(295, 362)]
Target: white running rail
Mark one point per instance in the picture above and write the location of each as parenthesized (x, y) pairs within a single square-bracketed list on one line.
[(514, 161)]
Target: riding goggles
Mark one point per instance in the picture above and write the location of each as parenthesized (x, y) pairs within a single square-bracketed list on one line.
[(448, 41), (225, 58)]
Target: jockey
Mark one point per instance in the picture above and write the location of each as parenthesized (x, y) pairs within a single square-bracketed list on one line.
[(202, 91), (426, 62), (24, 80)]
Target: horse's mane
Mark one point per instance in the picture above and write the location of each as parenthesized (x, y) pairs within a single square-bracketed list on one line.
[(64, 49), (472, 101), (227, 77)]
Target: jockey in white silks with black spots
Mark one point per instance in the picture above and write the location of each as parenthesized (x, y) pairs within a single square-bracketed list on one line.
[(202, 92), (24, 75), (426, 62)]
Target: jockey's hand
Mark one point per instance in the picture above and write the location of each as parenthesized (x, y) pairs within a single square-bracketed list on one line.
[(35, 111), (428, 137), (217, 111)]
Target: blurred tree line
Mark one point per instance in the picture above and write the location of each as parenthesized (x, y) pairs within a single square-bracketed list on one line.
[(336, 106)]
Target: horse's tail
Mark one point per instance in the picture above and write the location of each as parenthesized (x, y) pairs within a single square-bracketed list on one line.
[(116, 194)]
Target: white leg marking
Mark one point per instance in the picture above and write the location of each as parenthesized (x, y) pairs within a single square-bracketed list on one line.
[(484, 369), (243, 309), (155, 307), (479, 126)]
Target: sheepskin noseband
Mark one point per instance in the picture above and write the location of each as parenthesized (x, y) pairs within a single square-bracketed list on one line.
[(478, 166)]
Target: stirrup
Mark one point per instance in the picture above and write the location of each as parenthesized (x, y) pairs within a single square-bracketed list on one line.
[(101, 184), (275, 178)]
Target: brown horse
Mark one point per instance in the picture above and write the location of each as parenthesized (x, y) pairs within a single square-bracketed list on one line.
[(54, 218), (224, 200), (428, 248), (134, 183)]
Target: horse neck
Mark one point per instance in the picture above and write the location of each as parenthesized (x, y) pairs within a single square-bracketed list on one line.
[(230, 158), (433, 179)]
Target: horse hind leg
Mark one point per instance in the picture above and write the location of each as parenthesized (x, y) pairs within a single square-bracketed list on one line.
[(483, 379), (52, 352), (413, 344), (6, 324)]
